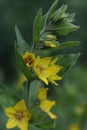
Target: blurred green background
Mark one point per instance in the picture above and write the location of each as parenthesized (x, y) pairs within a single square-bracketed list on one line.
[(72, 98)]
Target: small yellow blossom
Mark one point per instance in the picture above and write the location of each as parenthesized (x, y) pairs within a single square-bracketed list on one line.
[(29, 59), (74, 127), (42, 93), (50, 37), (18, 116), (45, 104), (46, 69), (49, 44)]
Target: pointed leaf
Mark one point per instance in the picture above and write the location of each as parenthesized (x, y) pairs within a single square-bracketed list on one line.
[(47, 125), (22, 64), (41, 119), (37, 26), (22, 45), (60, 13), (52, 8), (64, 28), (67, 61)]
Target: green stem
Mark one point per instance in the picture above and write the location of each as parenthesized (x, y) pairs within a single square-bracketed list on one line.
[(28, 88)]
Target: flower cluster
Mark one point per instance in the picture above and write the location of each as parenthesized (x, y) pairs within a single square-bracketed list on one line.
[(44, 68)]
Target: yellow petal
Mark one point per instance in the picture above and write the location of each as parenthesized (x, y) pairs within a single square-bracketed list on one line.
[(11, 123), (52, 116), (20, 106), (53, 78), (42, 93), (27, 115), (10, 111), (44, 62), (23, 124), (46, 105), (44, 80), (54, 61)]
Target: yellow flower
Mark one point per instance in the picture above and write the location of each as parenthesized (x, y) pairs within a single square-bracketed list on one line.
[(29, 59), (45, 104), (50, 44), (18, 116), (46, 69), (74, 127), (42, 93)]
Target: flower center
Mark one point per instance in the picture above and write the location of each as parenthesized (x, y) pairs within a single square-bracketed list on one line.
[(29, 60), (40, 68), (19, 115)]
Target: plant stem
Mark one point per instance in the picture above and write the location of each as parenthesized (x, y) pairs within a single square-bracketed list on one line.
[(28, 88)]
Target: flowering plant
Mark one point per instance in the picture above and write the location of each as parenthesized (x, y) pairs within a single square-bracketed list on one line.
[(44, 64)]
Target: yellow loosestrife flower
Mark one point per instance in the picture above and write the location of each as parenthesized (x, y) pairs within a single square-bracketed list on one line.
[(46, 70), (45, 104), (18, 116), (29, 59)]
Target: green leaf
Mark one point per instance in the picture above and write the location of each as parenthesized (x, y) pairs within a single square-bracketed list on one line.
[(70, 17), (67, 61), (47, 125), (37, 26), (60, 13), (52, 8), (22, 45), (41, 119), (22, 64), (47, 16), (8, 97), (64, 28), (33, 92)]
